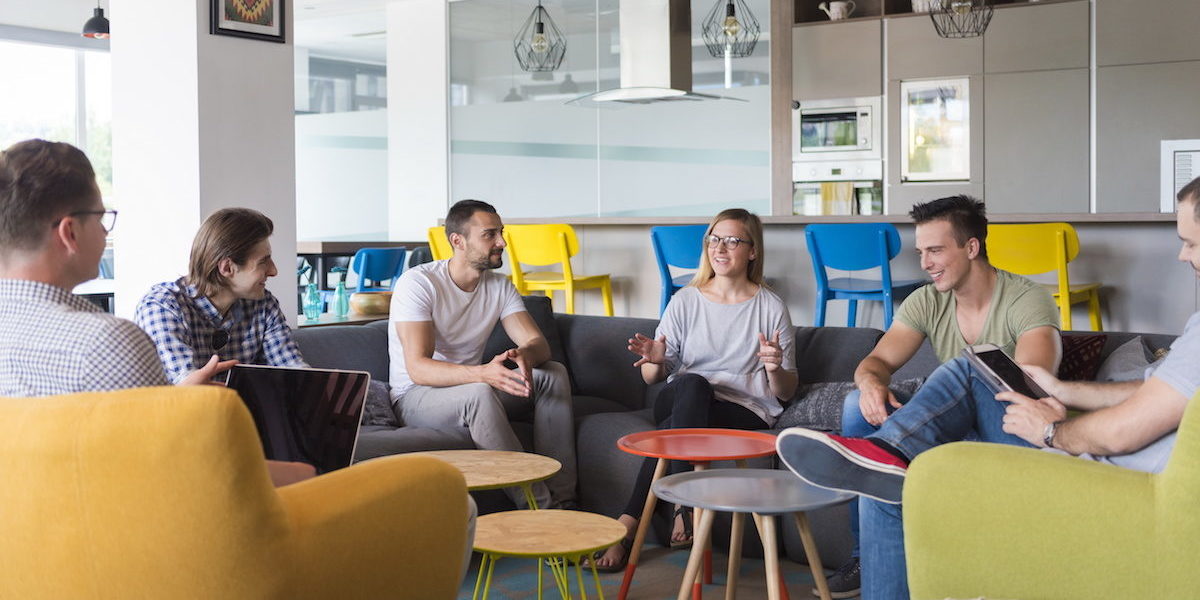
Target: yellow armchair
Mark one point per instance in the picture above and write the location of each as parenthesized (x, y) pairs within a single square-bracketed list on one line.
[(1005, 522), (164, 493)]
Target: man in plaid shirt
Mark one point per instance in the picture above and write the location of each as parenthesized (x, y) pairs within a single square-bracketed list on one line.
[(53, 227), (222, 307)]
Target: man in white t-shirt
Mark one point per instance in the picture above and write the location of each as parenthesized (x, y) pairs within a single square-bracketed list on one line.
[(443, 313)]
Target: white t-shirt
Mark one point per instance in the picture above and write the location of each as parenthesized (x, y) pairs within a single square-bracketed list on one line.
[(462, 321), (720, 343)]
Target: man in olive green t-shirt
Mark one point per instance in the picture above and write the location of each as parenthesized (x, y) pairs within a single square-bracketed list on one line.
[(969, 302)]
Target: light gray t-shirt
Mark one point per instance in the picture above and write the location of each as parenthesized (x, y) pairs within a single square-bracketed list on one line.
[(1180, 370), (462, 321), (720, 343)]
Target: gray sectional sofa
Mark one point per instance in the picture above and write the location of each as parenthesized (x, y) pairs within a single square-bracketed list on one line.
[(611, 400)]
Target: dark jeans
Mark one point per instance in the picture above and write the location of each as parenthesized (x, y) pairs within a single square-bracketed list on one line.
[(688, 401)]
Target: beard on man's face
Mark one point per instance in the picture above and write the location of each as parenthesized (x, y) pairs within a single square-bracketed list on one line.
[(491, 260)]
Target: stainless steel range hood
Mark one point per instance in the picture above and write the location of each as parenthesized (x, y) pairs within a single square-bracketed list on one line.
[(656, 55)]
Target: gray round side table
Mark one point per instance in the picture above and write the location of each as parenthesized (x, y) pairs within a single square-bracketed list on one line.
[(763, 493)]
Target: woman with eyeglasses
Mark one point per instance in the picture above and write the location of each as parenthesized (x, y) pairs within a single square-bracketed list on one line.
[(725, 345)]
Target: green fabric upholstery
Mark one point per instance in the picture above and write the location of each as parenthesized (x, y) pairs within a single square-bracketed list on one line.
[(1004, 522)]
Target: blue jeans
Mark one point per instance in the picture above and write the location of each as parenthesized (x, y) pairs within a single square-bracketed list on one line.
[(953, 404), (854, 424)]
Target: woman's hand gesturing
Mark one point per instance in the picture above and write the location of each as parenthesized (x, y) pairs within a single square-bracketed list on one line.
[(770, 352), (651, 351)]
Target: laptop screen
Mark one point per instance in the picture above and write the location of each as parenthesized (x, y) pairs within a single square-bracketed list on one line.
[(304, 415)]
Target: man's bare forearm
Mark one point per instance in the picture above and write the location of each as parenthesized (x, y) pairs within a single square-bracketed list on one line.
[(1088, 395), (872, 371), (436, 373)]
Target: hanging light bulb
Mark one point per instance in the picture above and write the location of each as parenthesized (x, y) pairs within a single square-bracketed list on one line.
[(97, 26), (731, 27), (538, 43), (961, 7)]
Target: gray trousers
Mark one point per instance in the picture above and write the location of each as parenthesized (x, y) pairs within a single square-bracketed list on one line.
[(485, 412)]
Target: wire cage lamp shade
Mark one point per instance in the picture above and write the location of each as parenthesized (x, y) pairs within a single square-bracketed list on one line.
[(730, 29), (961, 18), (540, 45)]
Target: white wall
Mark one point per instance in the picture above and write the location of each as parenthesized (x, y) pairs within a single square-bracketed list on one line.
[(200, 122), (1145, 288)]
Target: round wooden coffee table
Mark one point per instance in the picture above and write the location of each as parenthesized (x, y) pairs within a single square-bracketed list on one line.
[(495, 469), (560, 537), (699, 446), (763, 493)]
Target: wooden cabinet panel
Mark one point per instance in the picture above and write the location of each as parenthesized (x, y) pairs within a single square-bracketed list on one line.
[(915, 51), (1138, 106), (1036, 146), (837, 60), (1140, 31), (1034, 38)]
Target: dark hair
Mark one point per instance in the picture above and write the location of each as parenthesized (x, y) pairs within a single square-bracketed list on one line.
[(1191, 193), (461, 212), (41, 182), (228, 233), (966, 215)]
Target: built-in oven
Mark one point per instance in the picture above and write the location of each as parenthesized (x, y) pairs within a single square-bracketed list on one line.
[(845, 129)]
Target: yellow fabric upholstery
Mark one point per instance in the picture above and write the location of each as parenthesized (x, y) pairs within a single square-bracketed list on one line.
[(1005, 522), (164, 493), (551, 244), (1033, 248), (439, 245)]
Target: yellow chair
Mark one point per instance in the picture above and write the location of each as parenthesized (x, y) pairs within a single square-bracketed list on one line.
[(164, 493), (551, 244), (1032, 248), (1005, 522), (439, 245)]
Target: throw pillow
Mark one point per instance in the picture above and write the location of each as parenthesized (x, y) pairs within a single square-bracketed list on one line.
[(378, 409), (1081, 357), (1127, 363), (819, 405)]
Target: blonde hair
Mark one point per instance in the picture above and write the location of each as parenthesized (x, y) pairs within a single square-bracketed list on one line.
[(754, 228)]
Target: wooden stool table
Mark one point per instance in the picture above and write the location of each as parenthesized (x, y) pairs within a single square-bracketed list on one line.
[(763, 493), (700, 447), (560, 537), (495, 469)]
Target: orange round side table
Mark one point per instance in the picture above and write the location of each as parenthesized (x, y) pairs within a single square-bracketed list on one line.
[(699, 446)]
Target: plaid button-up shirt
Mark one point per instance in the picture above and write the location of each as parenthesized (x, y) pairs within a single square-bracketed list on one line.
[(54, 342), (183, 324)]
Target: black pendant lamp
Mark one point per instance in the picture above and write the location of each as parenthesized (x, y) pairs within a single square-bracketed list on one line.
[(730, 29), (97, 26), (539, 45), (961, 18)]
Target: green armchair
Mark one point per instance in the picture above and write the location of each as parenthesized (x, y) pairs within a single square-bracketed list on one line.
[(1004, 522)]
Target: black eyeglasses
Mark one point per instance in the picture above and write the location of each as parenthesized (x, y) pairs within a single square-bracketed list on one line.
[(108, 218), (220, 337), (730, 242)]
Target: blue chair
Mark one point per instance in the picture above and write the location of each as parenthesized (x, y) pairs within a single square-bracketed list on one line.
[(378, 265), (676, 246), (855, 247)]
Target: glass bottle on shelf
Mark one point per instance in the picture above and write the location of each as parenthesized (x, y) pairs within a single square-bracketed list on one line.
[(313, 304), (341, 301)]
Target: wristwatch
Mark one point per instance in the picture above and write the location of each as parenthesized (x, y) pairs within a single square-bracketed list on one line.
[(1048, 434)]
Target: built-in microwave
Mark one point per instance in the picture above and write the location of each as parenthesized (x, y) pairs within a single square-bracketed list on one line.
[(837, 129)]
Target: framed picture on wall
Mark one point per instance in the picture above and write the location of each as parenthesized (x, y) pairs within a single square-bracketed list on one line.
[(256, 19)]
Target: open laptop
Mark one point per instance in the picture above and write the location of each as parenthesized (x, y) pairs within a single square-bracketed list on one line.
[(304, 415)]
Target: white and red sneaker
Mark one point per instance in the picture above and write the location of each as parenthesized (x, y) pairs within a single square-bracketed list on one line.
[(840, 463)]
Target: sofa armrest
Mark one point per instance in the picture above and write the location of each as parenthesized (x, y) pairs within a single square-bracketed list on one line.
[(1007, 522), (393, 527)]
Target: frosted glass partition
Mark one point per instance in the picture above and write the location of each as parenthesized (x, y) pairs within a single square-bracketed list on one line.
[(515, 143)]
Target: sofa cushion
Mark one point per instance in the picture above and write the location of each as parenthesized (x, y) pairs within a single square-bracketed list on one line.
[(377, 410), (1081, 356), (601, 365), (540, 309), (832, 353), (351, 347), (1127, 363), (819, 405)]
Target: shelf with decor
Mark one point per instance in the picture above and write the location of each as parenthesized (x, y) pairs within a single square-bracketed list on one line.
[(808, 12)]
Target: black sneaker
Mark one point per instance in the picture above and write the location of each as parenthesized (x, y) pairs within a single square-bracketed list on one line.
[(844, 582)]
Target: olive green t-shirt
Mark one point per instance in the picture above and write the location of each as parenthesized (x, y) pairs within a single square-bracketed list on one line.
[(1018, 305)]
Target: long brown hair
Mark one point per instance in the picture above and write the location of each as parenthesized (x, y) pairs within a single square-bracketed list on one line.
[(753, 225), (228, 233)]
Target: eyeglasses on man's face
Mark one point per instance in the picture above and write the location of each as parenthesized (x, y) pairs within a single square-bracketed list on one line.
[(108, 218), (730, 242)]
